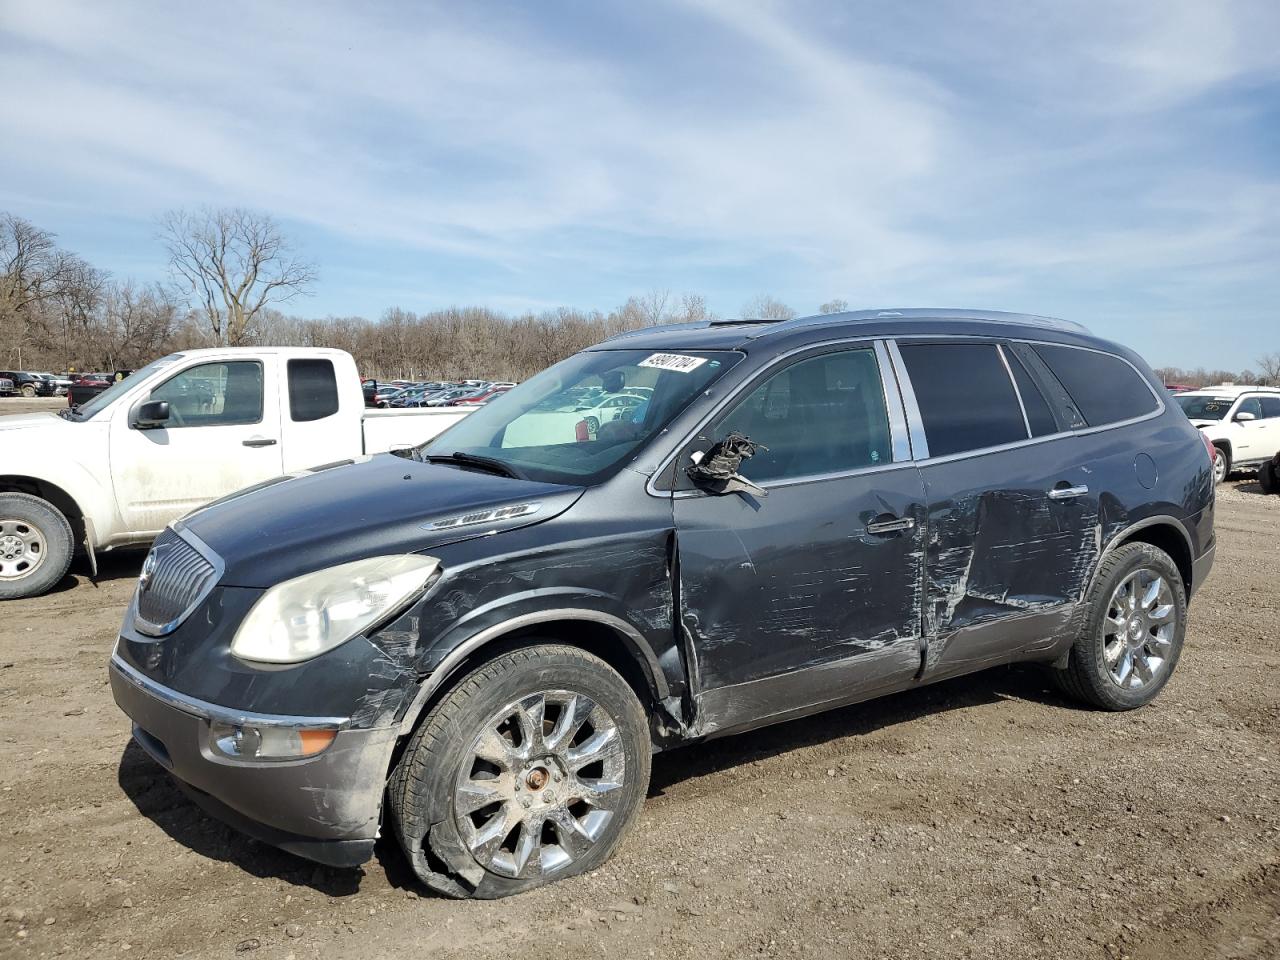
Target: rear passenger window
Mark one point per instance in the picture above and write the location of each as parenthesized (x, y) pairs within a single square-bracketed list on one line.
[(313, 390), (822, 415), (965, 396), (1039, 417), (1270, 407), (1103, 387)]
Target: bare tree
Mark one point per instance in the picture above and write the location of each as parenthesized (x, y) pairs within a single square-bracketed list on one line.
[(1269, 369), (834, 306), (765, 307), (33, 273), (235, 263)]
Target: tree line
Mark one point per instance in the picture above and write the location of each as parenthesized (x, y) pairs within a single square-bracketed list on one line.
[(232, 271)]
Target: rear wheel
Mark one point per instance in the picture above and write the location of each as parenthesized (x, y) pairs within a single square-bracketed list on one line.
[(1221, 464), (1269, 477), (35, 545), (530, 770), (1130, 631)]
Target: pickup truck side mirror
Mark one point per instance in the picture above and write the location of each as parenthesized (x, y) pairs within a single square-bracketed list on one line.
[(152, 414), (1244, 416), (716, 471)]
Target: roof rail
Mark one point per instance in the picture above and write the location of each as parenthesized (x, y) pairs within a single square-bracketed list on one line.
[(918, 313)]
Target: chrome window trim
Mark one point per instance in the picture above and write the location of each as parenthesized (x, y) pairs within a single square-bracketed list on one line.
[(889, 389), (159, 630), (915, 422), (898, 435), (1016, 392), (207, 711)]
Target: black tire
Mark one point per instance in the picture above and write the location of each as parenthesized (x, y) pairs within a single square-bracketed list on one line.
[(1221, 464), (58, 546), (1087, 676), (1269, 477), (420, 793)]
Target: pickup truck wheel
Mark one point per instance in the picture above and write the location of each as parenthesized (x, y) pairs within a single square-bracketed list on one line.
[(1269, 477), (1129, 630), (1221, 464), (528, 771), (28, 391), (35, 545)]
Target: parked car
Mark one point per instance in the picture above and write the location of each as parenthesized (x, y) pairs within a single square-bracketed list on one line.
[(370, 390), (60, 383), (493, 636), (28, 384), (449, 396), (1242, 423), (1269, 475), (187, 429), (1178, 387), (7, 387), (481, 398), (89, 385)]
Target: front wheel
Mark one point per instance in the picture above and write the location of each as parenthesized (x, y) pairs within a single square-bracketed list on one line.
[(1129, 631), (35, 545), (530, 770)]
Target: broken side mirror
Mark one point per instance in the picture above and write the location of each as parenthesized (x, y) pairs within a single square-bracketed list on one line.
[(716, 471), (152, 414)]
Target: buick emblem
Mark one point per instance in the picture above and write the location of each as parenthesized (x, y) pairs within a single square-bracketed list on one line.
[(148, 568)]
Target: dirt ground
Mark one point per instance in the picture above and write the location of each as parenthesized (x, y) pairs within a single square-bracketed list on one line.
[(984, 817)]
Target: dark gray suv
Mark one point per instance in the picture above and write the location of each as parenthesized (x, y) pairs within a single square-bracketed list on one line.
[(479, 643)]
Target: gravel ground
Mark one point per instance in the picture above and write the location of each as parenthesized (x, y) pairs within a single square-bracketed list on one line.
[(983, 817)]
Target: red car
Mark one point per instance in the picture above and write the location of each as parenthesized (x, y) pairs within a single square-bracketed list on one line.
[(480, 398)]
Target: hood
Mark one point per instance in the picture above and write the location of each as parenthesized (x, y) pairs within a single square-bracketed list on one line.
[(27, 421), (382, 505)]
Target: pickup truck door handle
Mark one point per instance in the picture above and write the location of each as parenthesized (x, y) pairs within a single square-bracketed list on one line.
[(260, 442), (890, 526), (1068, 493)]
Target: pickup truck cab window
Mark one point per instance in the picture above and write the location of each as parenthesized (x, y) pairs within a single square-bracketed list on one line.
[(213, 394), (561, 426), (313, 390)]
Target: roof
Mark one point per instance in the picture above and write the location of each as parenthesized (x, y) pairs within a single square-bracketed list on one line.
[(742, 334)]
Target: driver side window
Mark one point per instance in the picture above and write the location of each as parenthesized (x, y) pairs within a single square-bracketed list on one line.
[(818, 416), (214, 394)]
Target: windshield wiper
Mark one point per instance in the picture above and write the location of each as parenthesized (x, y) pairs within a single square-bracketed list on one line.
[(473, 460)]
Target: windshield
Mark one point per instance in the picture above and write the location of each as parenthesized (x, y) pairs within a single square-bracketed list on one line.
[(1204, 408), (577, 421), (86, 410)]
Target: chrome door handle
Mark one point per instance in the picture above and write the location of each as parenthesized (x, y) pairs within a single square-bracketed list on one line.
[(1067, 493), (891, 526)]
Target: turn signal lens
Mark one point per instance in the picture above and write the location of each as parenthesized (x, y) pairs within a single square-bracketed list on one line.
[(247, 742)]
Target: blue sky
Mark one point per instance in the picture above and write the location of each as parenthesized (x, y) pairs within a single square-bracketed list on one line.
[(1117, 163)]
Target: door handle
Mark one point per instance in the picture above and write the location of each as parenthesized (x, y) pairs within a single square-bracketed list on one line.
[(1067, 493), (259, 442), (890, 526)]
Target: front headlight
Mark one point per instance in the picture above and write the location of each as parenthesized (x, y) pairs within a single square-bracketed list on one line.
[(302, 618)]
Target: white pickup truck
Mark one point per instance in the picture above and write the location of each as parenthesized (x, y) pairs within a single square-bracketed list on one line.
[(180, 432)]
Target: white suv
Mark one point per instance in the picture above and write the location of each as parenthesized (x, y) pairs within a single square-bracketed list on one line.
[(1242, 423)]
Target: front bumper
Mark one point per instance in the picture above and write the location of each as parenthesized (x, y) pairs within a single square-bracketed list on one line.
[(325, 808)]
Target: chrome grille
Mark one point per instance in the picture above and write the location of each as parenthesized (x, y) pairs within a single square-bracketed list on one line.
[(175, 578)]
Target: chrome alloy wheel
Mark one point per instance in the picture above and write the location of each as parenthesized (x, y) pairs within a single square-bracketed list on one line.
[(1219, 466), (1138, 631), (22, 548), (540, 784)]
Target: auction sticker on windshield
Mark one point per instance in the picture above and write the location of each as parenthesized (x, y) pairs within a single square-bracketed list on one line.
[(672, 361)]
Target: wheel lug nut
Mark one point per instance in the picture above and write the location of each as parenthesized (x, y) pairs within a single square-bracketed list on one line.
[(557, 778), (526, 802)]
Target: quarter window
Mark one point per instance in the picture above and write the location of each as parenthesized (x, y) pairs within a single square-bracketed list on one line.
[(1270, 407), (213, 394), (1103, 387), (822, 415), (965, 396), (313, 390)]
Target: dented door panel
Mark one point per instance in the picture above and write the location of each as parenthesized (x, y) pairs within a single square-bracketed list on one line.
[(1001, 552), (794, 584)]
